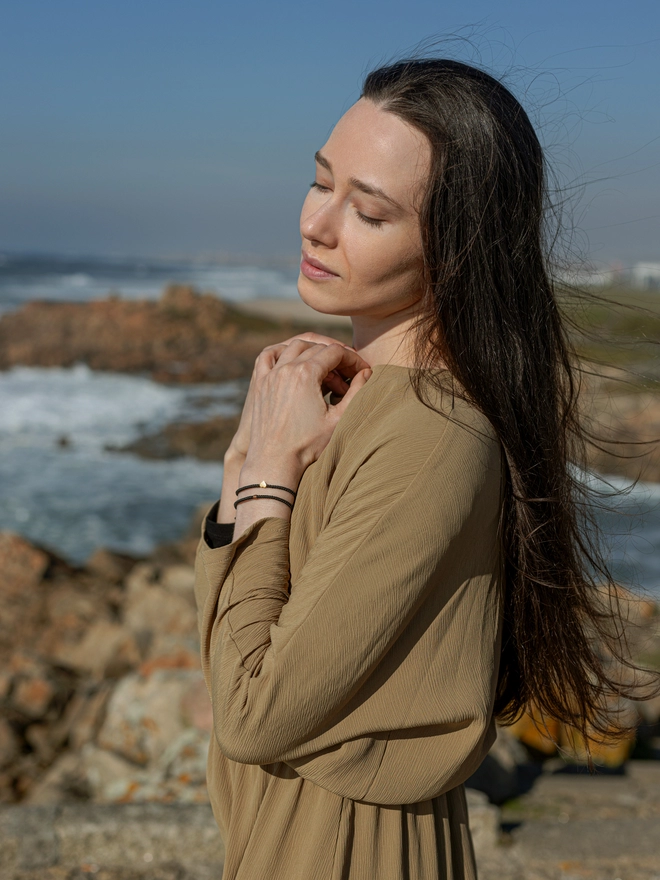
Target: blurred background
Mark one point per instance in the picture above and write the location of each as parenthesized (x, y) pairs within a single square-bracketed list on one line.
[(154, 157)]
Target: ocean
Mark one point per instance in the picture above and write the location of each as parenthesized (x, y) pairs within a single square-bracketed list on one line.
[(62, 488)]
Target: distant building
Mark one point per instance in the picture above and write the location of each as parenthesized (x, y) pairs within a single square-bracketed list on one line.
[(583, 277), (646, 276)]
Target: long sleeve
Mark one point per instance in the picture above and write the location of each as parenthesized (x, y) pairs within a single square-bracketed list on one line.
[(313, 672), (217, 534)]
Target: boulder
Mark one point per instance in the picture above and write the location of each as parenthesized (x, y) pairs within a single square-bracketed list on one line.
[(64, 780), (156, 610), (85, 714), (109, 566), (484, 819), (32, 695), (180, 581), (106, 650), (22, 565), (506, 771), (144, 715), (10, 745)]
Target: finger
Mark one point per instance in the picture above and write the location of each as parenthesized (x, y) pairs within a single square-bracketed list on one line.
[(298, 348), (345, 361), (335, 383), (359, 380), (267, 359)]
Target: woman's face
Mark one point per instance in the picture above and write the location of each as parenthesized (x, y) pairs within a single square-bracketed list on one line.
[(359, 221)]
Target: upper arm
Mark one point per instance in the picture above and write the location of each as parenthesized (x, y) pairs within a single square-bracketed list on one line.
[(285, 664)]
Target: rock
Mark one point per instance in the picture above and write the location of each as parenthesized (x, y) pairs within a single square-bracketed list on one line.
[(22, 565), (185, 759), (506, 771), (105, 771), (144, 714), (650, 710), (5, 683), (180, 581), (64, 780), (107, 650), (141, 576), (110, 566), (196, 706), (630, 420), (184, 337), (10, 745), (32, 696), (42, 743), (171, 652), (156, 610), (484, 822), (206, 441), (86, 715)]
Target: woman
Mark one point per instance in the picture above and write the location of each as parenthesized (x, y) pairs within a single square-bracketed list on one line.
[(395, 559)]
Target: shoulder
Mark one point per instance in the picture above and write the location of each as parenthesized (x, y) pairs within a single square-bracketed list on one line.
[(389, 422)]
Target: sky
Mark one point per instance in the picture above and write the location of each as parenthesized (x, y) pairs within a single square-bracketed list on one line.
[(162, 128)]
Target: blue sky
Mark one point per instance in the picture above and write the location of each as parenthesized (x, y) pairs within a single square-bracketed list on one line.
[(161, 127)]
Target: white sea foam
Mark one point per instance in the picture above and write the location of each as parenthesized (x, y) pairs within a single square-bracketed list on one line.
[(93, 409), (77, 497)]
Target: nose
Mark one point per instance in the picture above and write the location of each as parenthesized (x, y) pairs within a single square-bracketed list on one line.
[(319, 224)]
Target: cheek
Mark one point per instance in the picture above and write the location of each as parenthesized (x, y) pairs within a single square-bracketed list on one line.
[(376, 257)]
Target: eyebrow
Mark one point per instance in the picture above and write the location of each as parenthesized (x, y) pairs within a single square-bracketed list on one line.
[(359, 184)]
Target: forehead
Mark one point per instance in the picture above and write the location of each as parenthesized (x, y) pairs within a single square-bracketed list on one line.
[(381, 149)]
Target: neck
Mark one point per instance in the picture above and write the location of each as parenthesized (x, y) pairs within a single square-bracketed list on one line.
[(385, 340)]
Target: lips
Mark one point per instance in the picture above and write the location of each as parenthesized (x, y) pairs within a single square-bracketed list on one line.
[(317, 264)]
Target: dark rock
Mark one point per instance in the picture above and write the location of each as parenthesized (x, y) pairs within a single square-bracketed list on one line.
[(184, 337), (110, 566), (207, 441)]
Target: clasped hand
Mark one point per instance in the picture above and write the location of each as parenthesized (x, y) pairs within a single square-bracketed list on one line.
[(285, 417)]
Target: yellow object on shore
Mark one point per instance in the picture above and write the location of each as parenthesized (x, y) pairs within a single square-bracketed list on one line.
[(609, 753), (550, 736), (531, 730)]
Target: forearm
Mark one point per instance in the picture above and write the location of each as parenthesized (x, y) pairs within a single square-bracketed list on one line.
[(233, 462)]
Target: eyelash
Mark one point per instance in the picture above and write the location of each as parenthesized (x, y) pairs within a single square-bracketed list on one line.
[(370, 221)]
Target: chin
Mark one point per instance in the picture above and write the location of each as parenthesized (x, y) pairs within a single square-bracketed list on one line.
[(307, 291)]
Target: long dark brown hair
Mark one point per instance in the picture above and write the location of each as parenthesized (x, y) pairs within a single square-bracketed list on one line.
[(490, 309)]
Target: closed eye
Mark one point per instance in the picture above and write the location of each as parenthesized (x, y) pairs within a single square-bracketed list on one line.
[(370, 221)]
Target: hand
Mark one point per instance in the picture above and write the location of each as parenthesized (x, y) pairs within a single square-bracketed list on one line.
[(265, 362), (291, 422)]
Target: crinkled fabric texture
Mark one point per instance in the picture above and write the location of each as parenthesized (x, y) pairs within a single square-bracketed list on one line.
[(351, 654)]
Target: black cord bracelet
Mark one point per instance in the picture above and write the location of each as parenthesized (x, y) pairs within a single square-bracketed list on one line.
[(264, 485), (275, 497)]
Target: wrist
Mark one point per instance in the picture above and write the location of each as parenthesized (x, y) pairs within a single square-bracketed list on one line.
[(282, 471)]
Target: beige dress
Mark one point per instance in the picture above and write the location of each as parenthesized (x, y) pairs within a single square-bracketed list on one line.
[(352, 653)]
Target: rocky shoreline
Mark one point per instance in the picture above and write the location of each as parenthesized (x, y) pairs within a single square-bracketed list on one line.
[(103, 709), (183, 337), (104, 716), (189, 337)]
